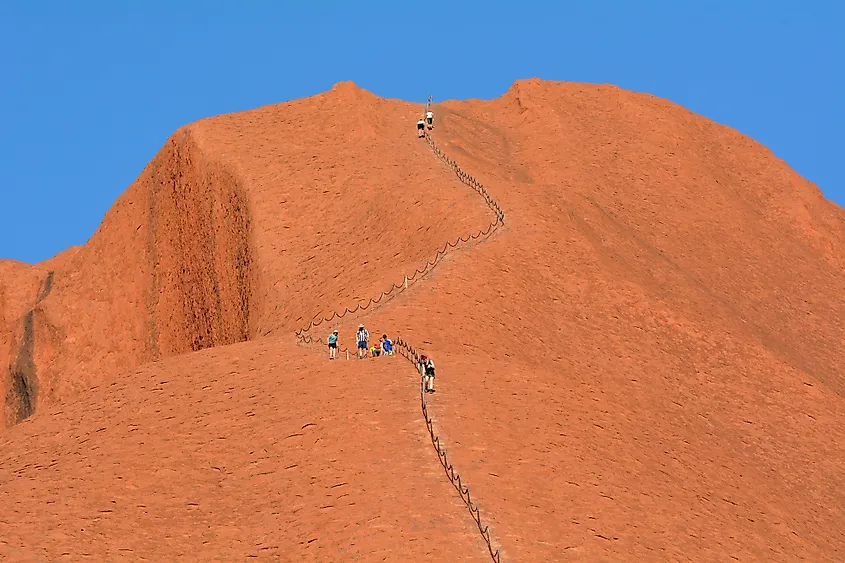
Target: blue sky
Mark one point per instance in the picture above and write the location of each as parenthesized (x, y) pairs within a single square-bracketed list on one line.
[(91, 90)]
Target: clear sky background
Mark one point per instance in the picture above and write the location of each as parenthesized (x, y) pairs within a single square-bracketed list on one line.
[(90, 90)]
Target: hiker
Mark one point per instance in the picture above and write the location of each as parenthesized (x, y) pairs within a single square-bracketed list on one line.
[(375, 351), (333, 345), (429, 119), (420, 128), (362, 336), (427, 371), (386, 345), (428, 366)]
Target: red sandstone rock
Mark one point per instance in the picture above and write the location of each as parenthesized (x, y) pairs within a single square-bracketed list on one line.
[(645, 362)]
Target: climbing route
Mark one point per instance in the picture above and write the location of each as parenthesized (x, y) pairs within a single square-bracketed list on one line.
[(409, 352)]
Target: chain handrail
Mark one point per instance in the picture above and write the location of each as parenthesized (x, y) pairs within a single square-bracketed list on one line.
[(409, 352), (397, 288)]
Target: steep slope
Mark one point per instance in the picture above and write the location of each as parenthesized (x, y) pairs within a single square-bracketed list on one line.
[(235, 229), (248, 451), (639, 368), (641, 363), (654, 383), (345, 199)]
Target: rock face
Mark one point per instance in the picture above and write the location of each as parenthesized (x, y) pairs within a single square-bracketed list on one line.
[(168, 271), (644, 362), (235, 229)]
